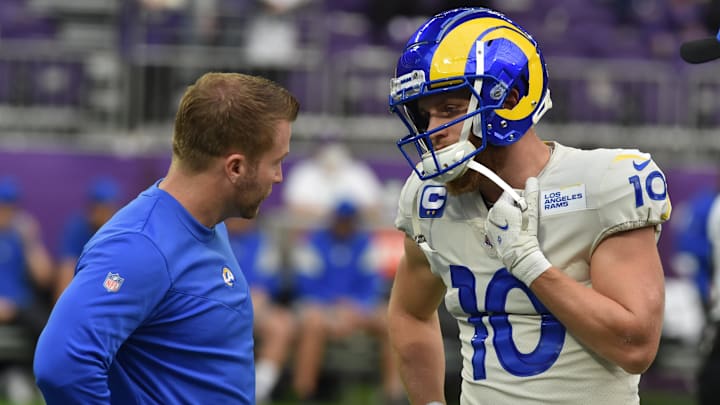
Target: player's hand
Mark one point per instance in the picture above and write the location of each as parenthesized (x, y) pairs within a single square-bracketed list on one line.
[(8, 311), (512, 233), (27, 227)]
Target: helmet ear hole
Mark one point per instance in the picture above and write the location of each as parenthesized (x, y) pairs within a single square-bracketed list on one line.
[(512, 99)]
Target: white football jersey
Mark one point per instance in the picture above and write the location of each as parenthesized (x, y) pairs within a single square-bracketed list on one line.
[(514, 350)]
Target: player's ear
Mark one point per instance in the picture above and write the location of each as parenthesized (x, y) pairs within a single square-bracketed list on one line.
[(235, 166)]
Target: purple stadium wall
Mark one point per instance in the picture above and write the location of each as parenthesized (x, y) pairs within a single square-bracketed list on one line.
[(54, 185)]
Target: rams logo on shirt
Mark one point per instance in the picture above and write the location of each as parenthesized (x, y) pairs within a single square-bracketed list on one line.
[(563, 199), (228, 277)]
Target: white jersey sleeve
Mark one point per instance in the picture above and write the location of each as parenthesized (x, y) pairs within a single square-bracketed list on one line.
[(632, 193)]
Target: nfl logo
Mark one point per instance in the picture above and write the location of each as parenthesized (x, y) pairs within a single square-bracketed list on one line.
[(112, 282)]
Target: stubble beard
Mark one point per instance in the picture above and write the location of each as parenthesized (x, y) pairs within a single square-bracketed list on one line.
[(469, 182), (250, 209), (250, 214), (251, 196)]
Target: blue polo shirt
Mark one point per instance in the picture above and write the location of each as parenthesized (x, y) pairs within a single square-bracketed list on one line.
[(158, 313)]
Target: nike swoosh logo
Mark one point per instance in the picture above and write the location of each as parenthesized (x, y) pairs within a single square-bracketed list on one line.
[(502, 227), (640, 166)]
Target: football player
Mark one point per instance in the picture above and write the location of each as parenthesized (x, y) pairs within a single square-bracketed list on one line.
[(545, 254)]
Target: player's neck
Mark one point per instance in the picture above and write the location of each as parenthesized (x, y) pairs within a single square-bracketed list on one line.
[(196, 192), (514, 164)]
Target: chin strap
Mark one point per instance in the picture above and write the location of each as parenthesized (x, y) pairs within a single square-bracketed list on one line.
[(472, 164)]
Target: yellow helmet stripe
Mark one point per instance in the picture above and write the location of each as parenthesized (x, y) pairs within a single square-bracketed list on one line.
[(450, 58)]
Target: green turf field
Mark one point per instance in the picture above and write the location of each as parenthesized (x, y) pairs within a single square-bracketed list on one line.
[(362, 395), (369, 394)]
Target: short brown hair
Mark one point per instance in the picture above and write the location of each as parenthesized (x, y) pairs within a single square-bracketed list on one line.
[(229, 112)]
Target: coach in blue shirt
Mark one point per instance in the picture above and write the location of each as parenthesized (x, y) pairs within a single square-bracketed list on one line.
[(158, 311)]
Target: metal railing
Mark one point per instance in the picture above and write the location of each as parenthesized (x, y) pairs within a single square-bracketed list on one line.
[(53, 87)]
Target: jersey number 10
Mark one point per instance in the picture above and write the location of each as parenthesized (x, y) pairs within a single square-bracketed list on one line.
[(649, 189), (552, 332)]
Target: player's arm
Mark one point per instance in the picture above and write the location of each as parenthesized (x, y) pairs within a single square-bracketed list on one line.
[(74, 238), (414, 326), (91, 320), (66, 270), (38, 258), (620, 317)]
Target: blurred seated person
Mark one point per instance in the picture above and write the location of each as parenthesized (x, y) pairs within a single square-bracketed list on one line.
[(697, 257), (315, 184), (340, 291), (103, 198), (693, 254), (25, 264), (259, 259), (25, 281), (272, 37)]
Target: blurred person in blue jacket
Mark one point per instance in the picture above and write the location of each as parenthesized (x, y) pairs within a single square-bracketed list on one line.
[(702, 242), (260, 260), (25, 282), (693, 257), (158, 310), (698, 258), (340, 291), (25, 264), (103, 197), (705, 249)]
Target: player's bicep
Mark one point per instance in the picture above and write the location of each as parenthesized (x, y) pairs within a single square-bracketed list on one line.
[(416, 290), (626, 267)]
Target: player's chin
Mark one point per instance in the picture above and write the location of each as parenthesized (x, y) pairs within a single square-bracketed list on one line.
[(252, 208), (250, 211), (248, 214)]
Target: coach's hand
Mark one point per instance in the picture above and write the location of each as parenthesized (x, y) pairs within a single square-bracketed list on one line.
[(512, 233)]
